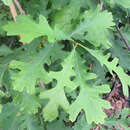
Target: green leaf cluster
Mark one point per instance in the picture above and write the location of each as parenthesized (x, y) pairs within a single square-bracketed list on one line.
[(53, 76)]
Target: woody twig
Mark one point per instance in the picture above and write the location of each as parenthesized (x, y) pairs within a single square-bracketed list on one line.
[(19, 7), (123, 38), (14, 12), (101, 4)]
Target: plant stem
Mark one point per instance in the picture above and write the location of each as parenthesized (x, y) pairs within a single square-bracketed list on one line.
[(14, 14), (13, 11), (123, 38), (101, 4), (19, 7)]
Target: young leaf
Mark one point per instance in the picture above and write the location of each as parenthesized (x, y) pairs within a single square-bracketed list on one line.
[(94, 27), (7, 2), (30, 71), (29, 29), (56, 95), (112, 66), (7, 55), (88, 99)]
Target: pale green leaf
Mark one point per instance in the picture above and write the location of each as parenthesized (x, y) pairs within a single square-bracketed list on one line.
[(112, 66), (7, 2), (29, 29), (88, 98), (31, 70), (93, 105), (56, 95), (60, 35), (57, 99), (94, 27)]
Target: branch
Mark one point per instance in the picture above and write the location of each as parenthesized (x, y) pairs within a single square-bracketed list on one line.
[(19, 7), (13, 11), (14, 14), (123, 38), (101, 4)]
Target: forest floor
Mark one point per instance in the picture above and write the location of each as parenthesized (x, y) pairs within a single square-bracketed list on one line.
[(118, 102)]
